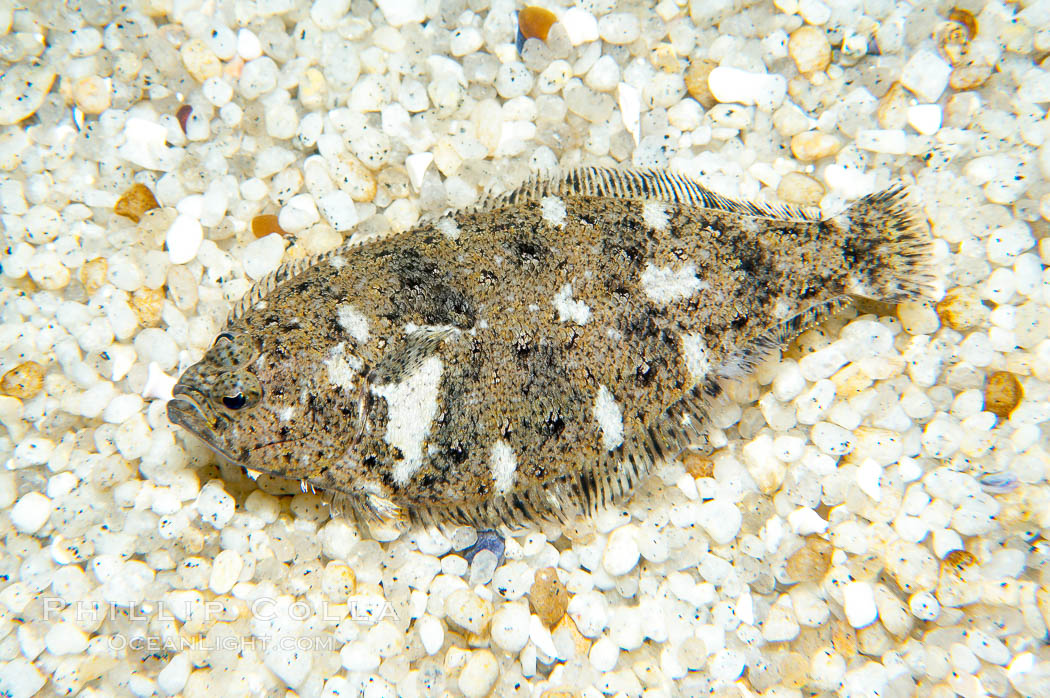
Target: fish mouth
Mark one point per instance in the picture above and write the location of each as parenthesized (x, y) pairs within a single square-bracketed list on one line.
[(187, 411)]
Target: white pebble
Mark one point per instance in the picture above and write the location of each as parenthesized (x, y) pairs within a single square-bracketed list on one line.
[(858, 600), (225, 570), (30, 512), (172, 678), (65, 638), (604, 654), (510, 627), (580, 25), (926, 75), (832, 439), (183, 239), (925, 118), (339, 210), (726, 665), (479, 674), (721, 520), (248, 45), (619, 27), (621, 552), (744, 87), (465, 40), (263, 256), (891, 141)]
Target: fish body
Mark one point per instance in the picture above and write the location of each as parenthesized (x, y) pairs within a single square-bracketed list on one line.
[(536, 355)]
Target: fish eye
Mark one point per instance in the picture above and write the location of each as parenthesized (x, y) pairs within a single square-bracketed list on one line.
[(234, 402)]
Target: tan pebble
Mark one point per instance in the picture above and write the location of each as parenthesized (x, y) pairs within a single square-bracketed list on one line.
[(961, 309), (851, 381), (692, 653), (892, 111), (155, 225), (339, 580), (961, 109), (548, 596), (969, 76), (844, 639), (1002, 393), (696, 82), (698, 465), (801, 189), (92, 94), (665, 58), (200, 61), (313, 89), (814, 145), (147, 303), (566, 627), (952, 40), (266, 224), (135, 202), (351, 175), (23, 381), (794, 669), (917, 317), (560, 692), (808, 46), (810, 562), (93, 275)]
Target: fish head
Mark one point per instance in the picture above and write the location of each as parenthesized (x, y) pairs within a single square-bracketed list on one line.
[(216, 397)]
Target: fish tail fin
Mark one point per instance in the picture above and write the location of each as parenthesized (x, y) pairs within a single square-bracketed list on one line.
[(891, 249)]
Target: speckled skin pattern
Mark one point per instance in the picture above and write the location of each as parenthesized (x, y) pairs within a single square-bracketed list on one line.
[(494, 363)]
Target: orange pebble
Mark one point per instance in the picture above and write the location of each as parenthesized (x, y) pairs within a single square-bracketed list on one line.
[(265, 224), (135, 202), (534, 22)]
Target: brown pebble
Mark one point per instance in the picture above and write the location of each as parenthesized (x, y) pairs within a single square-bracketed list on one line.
[(548, 596), (135, 202), (147, 303), (23, 381), (961, 309), (265, 224), (698, 465), (810, 562), (93, 275), (535, 22), (183, 115), (966, 19), (958, 561), (696, 82), (1002, 393)]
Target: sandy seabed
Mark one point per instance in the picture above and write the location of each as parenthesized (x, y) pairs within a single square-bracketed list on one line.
[(870, 522)]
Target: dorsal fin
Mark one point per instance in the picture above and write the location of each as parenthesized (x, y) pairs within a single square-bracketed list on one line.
[(286, 271), (638, 184)]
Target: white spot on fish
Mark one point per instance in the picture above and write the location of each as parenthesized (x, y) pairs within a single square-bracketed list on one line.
[(782, 309), (504, 466), (553, 210), (353, 322), (448, 227), (337, 261), (343, 368), (665, 285), (656, 215), (286, 414), (411, 406), (610, 418), (694, 352), (568, 309)]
